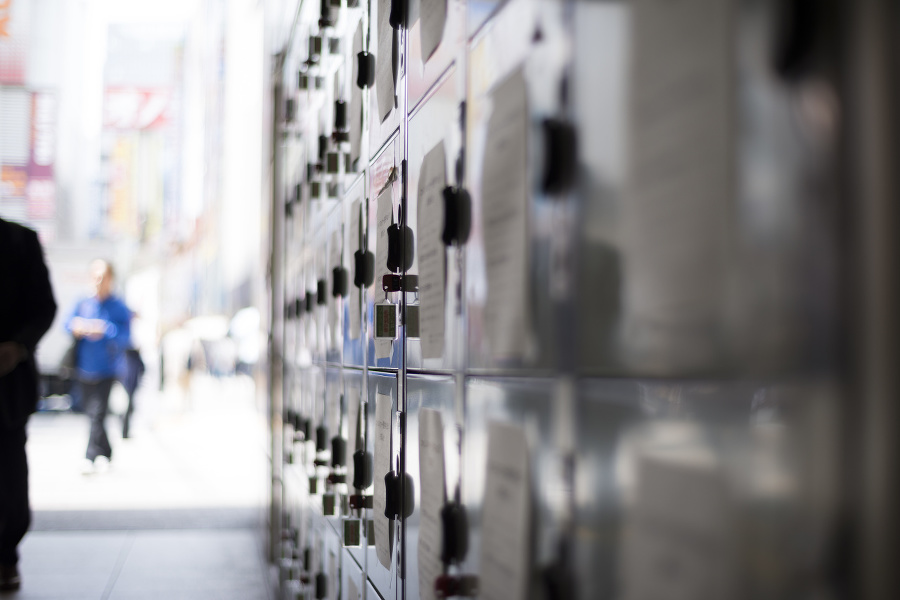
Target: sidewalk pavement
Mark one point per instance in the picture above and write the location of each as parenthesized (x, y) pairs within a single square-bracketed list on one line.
[(178, 515)]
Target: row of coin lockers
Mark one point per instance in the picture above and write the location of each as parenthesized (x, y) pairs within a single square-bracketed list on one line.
[(560, 302)]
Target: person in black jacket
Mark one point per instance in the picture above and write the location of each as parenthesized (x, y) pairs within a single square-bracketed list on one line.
[(27, 309)]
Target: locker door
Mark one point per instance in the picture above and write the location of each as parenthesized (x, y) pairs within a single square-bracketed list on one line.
[(431, 456), (354, 523), (384, 183), (514, 488), (352, 580), (516, 67), (355, 302), (384, 109), (435, 133), (382, 442)]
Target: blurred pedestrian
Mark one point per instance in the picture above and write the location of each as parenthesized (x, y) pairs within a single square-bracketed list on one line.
[(27, 309), (131, 372), (101, 324)]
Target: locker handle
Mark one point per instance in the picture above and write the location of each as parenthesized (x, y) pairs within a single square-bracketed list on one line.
[(363, 268), (399, 492), (560, 156), (310, 300), (365, 69), (321, 438), (397, 17), (457, 216), (338, 451), (298, 307), (401, 247), (321, 292), (455, 533), (339, 282), (362, 469), (321, 586)]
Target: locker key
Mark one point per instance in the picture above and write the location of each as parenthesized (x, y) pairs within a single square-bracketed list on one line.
[(328, 504), (401, 245), (399, 501), (365, 70), (560, 156), (360, 501), (289, 110), (338, 451), (363, 268), (321, 586), (339, 282), (321, 292), (457, 216), (400, 283), (455, 533)]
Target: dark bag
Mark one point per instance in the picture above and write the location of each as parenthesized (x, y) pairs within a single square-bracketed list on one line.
[(69, 363)]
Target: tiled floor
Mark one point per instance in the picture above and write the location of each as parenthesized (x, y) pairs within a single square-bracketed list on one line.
[(177, 517)]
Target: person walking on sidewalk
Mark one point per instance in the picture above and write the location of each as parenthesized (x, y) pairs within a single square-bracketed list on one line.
[(27, 309), (101, 326)]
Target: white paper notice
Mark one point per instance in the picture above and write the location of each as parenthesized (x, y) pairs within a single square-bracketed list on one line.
[(680, 130), (431, 476), (384, 527), (682, 539), (384, 74), (504, 205), (355, 308), (383, 214), (355, 116), (430, 220), (354, 431), (434, 16), (505, 534)]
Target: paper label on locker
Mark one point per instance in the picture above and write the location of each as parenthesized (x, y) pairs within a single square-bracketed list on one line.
[(680, 180), (504, 206), (681, 535), (355, 306), (384, 527), (354, 428), (384, 74), (506, 518), (383, 218), (354, 117), (434, 16), (431, 477), (430, 221)]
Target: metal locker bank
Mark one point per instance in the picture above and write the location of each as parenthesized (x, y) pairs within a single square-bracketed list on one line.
[(588, 299)]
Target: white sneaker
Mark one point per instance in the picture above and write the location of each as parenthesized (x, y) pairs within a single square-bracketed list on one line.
[(101, 464), (87, 467)]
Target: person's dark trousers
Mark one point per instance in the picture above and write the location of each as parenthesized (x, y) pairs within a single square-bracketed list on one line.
[(96, 405), (126, 419), (15, 515)]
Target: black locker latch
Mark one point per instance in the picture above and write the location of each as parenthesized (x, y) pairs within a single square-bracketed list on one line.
[(560, 156), (339, 282), (365, 69), (457, 216), (399, 500)]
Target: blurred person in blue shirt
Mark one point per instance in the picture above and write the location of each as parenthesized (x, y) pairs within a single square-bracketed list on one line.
[(101, 326)]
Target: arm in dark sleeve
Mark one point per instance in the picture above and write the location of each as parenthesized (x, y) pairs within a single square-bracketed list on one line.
[(41, 307)]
